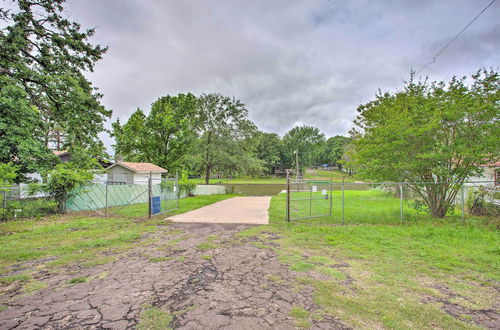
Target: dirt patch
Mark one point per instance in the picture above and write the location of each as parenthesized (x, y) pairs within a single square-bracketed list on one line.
[(487, 318), (225, 287)]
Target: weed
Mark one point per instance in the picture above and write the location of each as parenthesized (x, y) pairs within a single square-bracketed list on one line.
[(206, 257), (300, 316), (33, 286), (206, 246), (75, 280), (276, 278), (14, 278), (154, 318)]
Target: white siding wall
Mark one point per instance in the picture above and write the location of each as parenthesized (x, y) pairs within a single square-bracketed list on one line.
[(142, 178), (119, 173), (487, 175)]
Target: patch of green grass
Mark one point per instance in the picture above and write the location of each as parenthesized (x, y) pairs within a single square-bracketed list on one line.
[(210, 244), (276, 278), (33, 286), (154, 318), (300, 316), (99, 261), (334, 175), (180, 259), (14, 278), (170, 244), (206, 246), (206, 257), (333, 273), (301, 266), (75, 280), (3, 307), (140, 210), (383, 271), (79, 239)]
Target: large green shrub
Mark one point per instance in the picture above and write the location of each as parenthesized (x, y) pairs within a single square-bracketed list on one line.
[(478, 204), (185, 186), (61, 181)]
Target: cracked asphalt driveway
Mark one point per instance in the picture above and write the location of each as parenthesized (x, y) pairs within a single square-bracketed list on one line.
[(202, 274)]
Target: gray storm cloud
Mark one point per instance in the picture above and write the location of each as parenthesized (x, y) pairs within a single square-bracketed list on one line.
[(291, 62)]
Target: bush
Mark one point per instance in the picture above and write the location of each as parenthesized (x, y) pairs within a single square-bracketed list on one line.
[(62, 180), (477, 203), (28, 208), (185, 186)]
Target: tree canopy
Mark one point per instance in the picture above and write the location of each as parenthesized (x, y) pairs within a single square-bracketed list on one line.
[(307, 141), (269, 149), (45, 55), (333, 149), (439, 132), (164, 137), (225, 143)]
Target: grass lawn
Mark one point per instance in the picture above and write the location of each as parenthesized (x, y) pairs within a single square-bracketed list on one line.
[(334, 175), (371, 206), (424, 274), (62, 240), (141, 210)]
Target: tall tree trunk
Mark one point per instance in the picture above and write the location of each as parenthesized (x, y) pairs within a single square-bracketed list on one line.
[(207, 158), (207, 174)]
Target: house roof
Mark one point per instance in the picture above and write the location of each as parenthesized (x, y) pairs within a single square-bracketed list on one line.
[(59, 152), (140, 167), (497, 164)]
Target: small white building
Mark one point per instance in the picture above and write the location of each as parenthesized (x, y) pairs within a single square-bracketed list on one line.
[(490, 176), (134, 173)]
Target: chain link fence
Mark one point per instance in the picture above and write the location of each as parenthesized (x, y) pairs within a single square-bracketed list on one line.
[(16, 203), (390, 202), (121, 198)]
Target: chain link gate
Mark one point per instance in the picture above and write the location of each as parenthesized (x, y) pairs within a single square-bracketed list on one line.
[(164, 196), (307, 199)]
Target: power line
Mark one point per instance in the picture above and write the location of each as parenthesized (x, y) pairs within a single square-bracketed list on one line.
[(433, 59)]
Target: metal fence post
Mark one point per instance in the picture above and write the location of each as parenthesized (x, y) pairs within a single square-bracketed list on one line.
[(401, 201), (106, 201), (287, 198), (178, 189), (310, 201), (343, 201), (150, 195), (331, 198), (463, 202)]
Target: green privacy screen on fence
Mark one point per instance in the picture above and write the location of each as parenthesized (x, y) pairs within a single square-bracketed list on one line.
[(93, 197)]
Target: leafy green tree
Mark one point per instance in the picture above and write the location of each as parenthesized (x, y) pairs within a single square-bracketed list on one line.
[(225, 143), (307, 141), (437, 132), (46, 55), (269, 149), (8, 173), (333, 149), (21, 132), (165, 137)]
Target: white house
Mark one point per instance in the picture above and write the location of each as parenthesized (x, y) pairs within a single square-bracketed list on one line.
[(134, 173), (490, 177)]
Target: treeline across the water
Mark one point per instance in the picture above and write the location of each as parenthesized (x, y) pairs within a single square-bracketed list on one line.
[(211, 135)]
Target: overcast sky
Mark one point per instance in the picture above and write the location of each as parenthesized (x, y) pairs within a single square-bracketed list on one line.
[(291, 62)]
